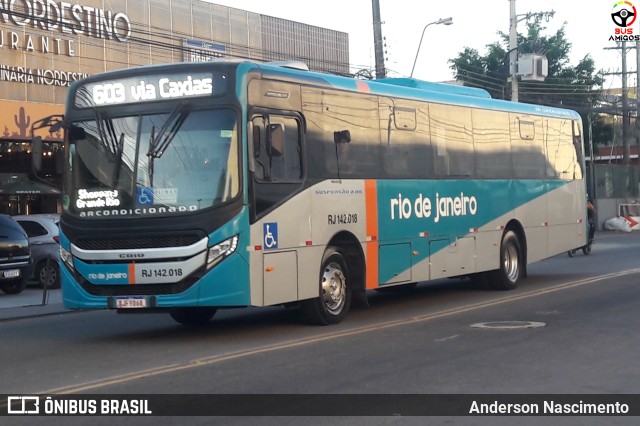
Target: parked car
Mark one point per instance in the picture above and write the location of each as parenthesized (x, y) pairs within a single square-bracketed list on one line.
[(42, 230), (15, 256)]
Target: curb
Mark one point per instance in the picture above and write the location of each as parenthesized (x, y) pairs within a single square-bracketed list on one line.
[(32, 311)]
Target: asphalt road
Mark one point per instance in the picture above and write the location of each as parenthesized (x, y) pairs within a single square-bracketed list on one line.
[(570, 328)]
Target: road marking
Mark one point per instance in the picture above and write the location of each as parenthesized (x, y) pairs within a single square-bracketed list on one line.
[(215, 359), (444, 339), (508, 325)]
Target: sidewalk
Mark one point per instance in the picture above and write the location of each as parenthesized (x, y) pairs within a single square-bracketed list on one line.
[(29, 303)]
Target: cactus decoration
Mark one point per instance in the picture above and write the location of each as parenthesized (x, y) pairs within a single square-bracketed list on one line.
[(23, 122)]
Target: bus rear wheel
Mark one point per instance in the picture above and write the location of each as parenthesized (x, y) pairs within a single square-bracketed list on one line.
[(332, 305), (192, 316), (511, 264)]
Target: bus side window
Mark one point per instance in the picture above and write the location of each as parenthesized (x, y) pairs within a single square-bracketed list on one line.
[(277, 160), (284, 149), (276, 149)]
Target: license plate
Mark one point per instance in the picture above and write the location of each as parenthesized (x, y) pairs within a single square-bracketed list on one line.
[(131, 302), (11, 273)]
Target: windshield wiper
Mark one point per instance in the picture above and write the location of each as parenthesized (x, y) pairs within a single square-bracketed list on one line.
[(114, 144), (159, 142), (119, 153)]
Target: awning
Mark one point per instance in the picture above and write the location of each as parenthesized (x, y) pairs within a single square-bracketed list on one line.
[(26, 187)]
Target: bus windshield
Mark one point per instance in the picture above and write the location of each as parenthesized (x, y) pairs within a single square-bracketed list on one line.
[(160, 164)]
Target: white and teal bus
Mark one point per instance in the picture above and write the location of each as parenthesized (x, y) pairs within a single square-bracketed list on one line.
[(198, 186)]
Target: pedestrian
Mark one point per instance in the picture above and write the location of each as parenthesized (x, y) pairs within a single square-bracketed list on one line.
[(591, 218)]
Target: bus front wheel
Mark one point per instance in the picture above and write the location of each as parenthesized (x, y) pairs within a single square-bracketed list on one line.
[(332, 305), (511, 264), (192, 316)]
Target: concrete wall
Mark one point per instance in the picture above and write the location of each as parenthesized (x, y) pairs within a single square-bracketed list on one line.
[(608, 208)]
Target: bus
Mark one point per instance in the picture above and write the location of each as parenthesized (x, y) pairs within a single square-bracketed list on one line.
[(192, 187)]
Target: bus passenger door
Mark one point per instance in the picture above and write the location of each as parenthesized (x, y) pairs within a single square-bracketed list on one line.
[(276, 162), (279, 213)]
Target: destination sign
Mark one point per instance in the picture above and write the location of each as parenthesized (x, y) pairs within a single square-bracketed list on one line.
[(150, 88)]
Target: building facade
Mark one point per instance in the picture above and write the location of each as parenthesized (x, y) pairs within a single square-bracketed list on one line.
[(45, 45)]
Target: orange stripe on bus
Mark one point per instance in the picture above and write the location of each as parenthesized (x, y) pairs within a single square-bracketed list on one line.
[(371, 206), (363, 87), (132, 273)]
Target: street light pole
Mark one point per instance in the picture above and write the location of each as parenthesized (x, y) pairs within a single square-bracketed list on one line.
[(445, 21)]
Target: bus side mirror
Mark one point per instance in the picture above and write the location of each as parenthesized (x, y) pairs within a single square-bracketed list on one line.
[(77, 133), (276, 140), (59, 162), (36, 154)]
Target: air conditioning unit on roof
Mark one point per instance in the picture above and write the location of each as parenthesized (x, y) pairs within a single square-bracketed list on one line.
[(533, 67)]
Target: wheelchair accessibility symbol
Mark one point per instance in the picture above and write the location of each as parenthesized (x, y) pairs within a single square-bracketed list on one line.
[(145, 196), (270, 236)]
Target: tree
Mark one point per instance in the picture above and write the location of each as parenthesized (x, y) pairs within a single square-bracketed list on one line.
[(576, 87)]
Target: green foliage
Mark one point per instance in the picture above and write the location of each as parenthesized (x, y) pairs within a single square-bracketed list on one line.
[(576, 87), (603, 132)]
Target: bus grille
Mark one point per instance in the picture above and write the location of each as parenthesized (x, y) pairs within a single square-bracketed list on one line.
[(126, 243), (138, 290)]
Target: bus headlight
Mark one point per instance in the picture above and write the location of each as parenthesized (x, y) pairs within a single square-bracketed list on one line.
[(67, 258), (220, 251)]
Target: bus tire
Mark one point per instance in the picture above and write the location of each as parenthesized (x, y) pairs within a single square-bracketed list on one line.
[(332, 305), (192, 316), (511, 264)]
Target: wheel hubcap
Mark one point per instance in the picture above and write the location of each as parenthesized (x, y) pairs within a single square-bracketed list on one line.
[(511, 263), (48, 276), (334, 286)]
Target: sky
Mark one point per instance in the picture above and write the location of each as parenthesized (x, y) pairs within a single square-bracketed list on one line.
[(475, 24)]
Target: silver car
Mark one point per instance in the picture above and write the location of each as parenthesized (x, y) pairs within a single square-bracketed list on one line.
[(42, 230)]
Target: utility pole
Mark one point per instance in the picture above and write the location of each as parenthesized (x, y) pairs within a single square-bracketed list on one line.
[(381, 72), (638, 100), (626, 150), (626, 109), (513, 48), (513, 42)]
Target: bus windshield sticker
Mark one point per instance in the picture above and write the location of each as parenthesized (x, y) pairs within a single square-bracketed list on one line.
[(87, 199), (270, 235), (144, 195), (165, 195), (150, 196)]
